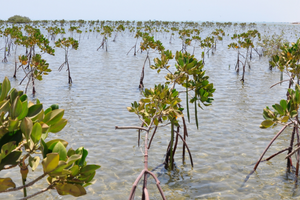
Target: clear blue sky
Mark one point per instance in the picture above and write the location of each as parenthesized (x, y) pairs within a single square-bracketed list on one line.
[(169, 10)]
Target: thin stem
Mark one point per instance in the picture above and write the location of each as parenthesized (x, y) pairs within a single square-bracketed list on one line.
[(27, 185), (40, 192)]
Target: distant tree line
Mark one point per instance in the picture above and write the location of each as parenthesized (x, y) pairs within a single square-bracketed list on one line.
[(18, 19)]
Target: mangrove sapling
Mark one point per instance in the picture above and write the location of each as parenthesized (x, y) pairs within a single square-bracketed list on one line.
[(159, 105), (197, 39), (207, 45), (244, 40), (37, 69), (119, 29), (271, 45), (16, 36), (173, 30), (218, 35), (106, 32), (66, 45), (6, 35), (187, 67), (72, 29), (184, 35), (147, 44), (138, 35), (286, 112), (24, 142), (36, 66)]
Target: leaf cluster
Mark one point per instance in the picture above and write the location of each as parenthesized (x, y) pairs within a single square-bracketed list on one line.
[(24, 129)]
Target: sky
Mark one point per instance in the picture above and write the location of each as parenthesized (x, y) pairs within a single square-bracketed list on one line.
[(165, 10)]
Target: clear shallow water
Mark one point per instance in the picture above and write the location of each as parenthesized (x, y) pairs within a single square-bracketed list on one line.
[(227, 144)]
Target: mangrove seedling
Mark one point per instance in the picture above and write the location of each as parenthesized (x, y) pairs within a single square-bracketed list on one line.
[(66, 45)]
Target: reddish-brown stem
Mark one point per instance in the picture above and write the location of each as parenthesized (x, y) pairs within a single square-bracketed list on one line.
[(152, 136), (185, 134), (272, 156), (187, 149), (176, 142), (297, 165), (290, 150), (275, 137), (145, 163)]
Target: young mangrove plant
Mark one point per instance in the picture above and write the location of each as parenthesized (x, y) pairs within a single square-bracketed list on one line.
[(24, 143), (66, 45), (147, 44), (160, 106), (106, 32), (285, 112), (35, 65), (138, 35), (217, 36), (244, 40), (119, 29)]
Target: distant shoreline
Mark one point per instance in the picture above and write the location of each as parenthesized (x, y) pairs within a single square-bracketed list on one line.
[(295, 23)]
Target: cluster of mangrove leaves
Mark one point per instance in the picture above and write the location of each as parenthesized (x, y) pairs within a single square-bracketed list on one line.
[(24, 129)]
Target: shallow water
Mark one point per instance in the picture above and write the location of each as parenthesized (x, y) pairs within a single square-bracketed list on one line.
[(227, 144)]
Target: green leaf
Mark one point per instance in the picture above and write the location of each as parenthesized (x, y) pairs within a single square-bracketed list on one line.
[(50, 162), (294, 113), (267, 123), (71, 152), (4, 106), (89, 168), (34, 162), (72, 189), (87, 177), (44, 148), (75, 170), (283, 104), (60, 167), (285, 119), (7, 148), (36, 132), (34, 110), (73, 158), (12, 124), (84, 154), (26, 127), (54, 116), (8, 137), (54, 106), (13, 95), (52, 143), (24, 110), (6, 183), (279, 109), (48, 110), (58, 126), (11, 159), (16, 108), (5, 87), (61, 150)]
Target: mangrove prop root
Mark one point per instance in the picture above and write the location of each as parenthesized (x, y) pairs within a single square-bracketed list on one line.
[(275, 137), (262, 155), (187, 149)]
